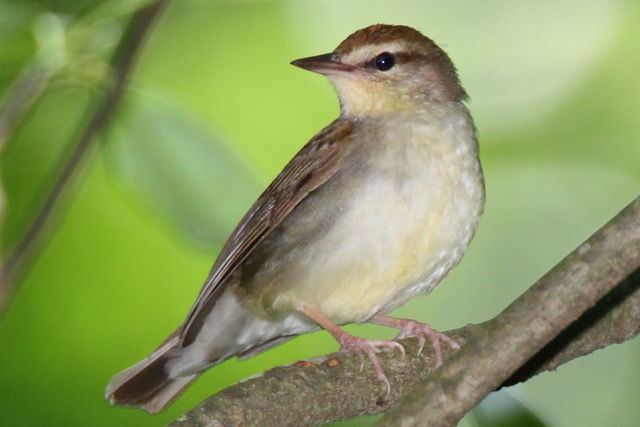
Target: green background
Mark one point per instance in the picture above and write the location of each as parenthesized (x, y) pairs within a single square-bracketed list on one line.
[(214, 112)]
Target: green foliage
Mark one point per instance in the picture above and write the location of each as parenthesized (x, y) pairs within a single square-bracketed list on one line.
[(215, 111), (163, 155), (502, 410)]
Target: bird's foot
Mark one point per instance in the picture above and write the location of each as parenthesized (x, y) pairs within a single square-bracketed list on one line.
[(364, 346), (421, 331)]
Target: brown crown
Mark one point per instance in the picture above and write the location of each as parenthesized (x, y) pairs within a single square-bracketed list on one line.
[(445, 84), (381, 33)]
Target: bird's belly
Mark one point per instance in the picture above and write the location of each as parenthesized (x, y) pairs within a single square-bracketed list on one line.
[(397, 239), (389, 253)]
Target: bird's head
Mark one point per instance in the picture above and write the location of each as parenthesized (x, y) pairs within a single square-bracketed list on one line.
[(387, 68)]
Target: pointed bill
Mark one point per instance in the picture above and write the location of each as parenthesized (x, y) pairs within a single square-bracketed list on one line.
[(326, 64)]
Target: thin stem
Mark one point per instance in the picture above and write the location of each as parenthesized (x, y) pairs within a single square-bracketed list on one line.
[(122, 63)]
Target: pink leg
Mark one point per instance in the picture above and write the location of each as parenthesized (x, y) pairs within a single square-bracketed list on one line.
[(420, 330), (350, 342)]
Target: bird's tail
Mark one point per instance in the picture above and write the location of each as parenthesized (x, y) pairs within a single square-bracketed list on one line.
[(147, 383)]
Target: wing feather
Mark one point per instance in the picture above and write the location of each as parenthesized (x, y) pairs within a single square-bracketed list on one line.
[(314, 164)]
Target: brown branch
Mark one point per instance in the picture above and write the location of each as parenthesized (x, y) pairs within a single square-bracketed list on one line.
[(613, 320), (333, 387), (122, 63)]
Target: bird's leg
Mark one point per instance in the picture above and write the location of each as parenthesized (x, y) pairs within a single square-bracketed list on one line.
[(410, 327), (350, 342)]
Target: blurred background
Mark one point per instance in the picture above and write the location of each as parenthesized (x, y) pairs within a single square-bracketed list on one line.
[(214, 111)]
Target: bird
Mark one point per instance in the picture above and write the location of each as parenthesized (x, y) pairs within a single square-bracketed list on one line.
[(375, 209)]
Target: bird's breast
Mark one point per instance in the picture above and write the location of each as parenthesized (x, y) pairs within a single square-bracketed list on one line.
[(389, 225)]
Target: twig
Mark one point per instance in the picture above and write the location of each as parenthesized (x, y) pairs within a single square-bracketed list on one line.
[(122, 63), (333, 387)]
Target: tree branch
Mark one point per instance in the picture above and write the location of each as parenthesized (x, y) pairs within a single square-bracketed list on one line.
[(122, 63), (603, 273), (527, 325)]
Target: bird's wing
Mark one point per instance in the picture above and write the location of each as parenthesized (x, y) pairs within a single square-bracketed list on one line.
[(314, 164)]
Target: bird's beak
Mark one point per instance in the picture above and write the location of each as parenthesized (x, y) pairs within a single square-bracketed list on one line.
[(329, 63)]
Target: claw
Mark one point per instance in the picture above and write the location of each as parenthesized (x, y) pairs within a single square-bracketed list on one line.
[(361, 345), (421, 331)]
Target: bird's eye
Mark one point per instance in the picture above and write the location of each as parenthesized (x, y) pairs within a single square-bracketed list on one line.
[(385, 61)]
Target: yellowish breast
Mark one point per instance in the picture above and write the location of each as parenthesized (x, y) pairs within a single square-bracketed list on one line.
[(403, 221)]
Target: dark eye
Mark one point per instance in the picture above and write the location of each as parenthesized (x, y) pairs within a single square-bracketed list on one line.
[(385, 61)]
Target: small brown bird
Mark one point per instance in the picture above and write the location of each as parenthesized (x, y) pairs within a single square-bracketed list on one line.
[(375, 209)]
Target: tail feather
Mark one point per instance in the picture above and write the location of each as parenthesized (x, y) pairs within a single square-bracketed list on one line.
[(164, 396), (229, 330), (147, 383)]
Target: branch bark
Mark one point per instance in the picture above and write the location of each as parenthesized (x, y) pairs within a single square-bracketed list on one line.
[(590, 300)]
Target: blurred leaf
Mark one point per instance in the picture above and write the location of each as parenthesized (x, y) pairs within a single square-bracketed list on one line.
[(16, 39), (27, 88), (50, 35), (501, 409), (2, 209), (181, 168), (73, 7)]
